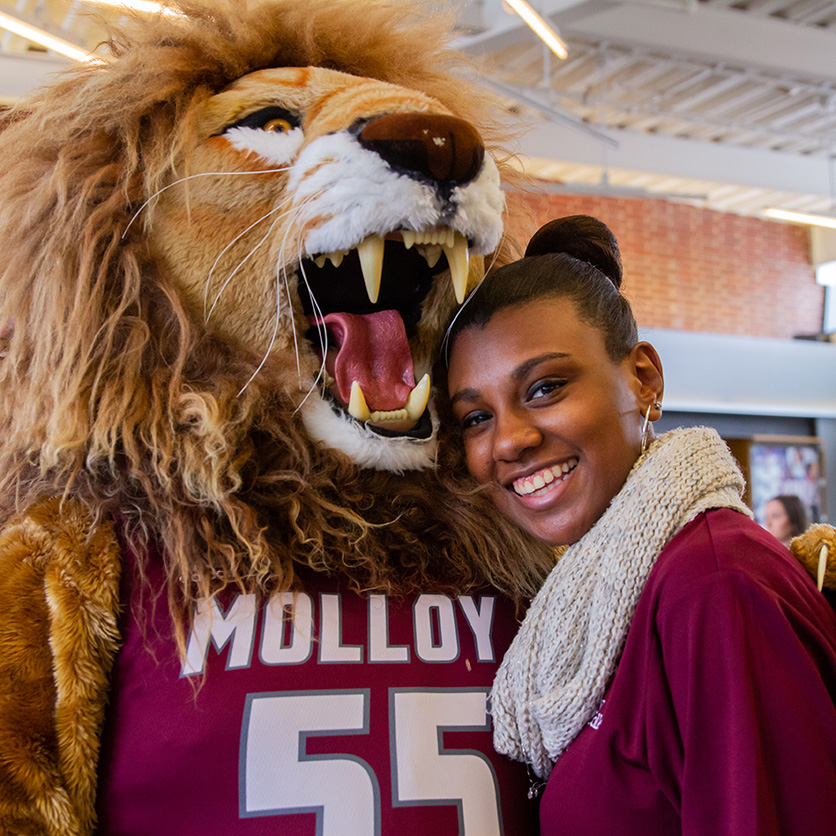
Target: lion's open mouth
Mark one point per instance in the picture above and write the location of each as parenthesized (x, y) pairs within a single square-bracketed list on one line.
[(364, 306)]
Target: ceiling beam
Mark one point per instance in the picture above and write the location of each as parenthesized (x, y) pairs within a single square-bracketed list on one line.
[(683, 158), (722, 35), (678, 28)]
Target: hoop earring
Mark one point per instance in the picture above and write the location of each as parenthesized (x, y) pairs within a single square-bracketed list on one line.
[(645, 438)]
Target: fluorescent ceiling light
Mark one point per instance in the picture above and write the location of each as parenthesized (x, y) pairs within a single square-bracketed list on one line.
[(801, 217), (137, 5), (39, 36), (542, 29)]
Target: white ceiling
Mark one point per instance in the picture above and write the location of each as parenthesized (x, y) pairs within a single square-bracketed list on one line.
[(730, 100), (735, 101)]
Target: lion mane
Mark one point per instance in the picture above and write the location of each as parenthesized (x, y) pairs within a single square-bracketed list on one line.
[(115, 393)]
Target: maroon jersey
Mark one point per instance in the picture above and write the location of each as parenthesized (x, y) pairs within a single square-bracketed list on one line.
[(316, 713)]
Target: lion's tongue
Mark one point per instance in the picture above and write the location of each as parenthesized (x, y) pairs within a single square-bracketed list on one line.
[(374, 351)]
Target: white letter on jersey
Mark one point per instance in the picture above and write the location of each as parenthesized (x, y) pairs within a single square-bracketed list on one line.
[(447, 648), (427, 773), (237, 625), (480, 622), (282, 607), (379, 648), (279, 777), (331, 648)]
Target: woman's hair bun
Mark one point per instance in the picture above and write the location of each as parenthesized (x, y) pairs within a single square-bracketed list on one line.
[(582, 237)]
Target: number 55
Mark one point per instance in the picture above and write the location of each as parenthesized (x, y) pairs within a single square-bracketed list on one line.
[(279, 777)]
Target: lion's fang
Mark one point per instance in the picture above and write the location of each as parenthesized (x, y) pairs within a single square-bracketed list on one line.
[(357, 407), (370, 251), (432, 243), (412, 410), (418, 398), (458, 261)]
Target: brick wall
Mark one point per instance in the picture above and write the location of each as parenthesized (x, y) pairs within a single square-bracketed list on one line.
[(695, 269)]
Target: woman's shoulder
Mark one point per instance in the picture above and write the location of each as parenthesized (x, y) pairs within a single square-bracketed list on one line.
[(722, 539), (724, 550)]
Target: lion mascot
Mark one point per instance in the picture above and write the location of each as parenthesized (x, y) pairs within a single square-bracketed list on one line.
[(241, 587)]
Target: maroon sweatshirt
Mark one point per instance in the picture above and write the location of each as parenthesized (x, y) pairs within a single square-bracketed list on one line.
[(720, 719)]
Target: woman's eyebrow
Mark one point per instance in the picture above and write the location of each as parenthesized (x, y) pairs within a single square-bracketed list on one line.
[(471, 394), (464, 395), (524, 368)]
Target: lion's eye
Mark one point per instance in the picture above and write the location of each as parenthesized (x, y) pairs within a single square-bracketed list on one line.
[(273, 119), (278, 126)]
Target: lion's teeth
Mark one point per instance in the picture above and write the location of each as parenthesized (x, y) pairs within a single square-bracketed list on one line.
[(336, 258), (357, 407), (457, 258), (320, 260), (427, 236), (413, 410), (371, 261), (418, 398), (382, 416), (431, 253), (438, 235)]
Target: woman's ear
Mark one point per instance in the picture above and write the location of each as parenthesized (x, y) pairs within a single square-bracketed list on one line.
[(648, 378)]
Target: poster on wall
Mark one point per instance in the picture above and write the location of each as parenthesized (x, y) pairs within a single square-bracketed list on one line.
[(787, 465)]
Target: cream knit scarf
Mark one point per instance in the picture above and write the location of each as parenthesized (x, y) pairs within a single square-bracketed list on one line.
[(556, 671)]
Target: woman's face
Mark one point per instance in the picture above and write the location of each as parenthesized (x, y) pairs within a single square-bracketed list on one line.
[(550, 422), (777, 521)]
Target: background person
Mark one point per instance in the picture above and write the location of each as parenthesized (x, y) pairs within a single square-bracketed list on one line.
[(785, 517), (667, 678)]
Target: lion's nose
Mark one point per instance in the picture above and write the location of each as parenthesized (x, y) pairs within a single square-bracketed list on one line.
[(444, 149)]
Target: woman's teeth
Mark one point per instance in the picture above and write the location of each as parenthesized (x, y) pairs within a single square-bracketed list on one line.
[(539, 480)]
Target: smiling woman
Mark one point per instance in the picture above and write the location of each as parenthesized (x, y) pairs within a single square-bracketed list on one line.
[(675, 673), (555, 432), (550, 385)]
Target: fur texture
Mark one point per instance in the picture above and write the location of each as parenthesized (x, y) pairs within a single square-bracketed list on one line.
[(120, 389), (59, 575)]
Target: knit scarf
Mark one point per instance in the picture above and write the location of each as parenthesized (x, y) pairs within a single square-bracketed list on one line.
[(556, 671)]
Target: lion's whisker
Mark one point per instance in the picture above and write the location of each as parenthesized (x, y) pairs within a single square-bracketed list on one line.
[(322, 331), (292, 211), (270, 344), (231, 243), (323, 343), (281, 261), (192, 177), (321, 328), (280, 267), (241, 263), (445, 343), (290, 302), (296, 210)]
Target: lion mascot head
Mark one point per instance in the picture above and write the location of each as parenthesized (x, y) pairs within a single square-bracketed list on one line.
[(231, 249)]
